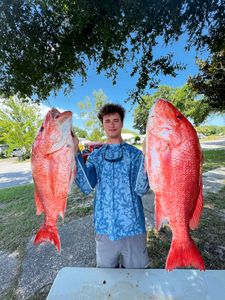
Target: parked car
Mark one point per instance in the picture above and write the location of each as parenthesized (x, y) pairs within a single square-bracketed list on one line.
[(89, 147), (18, 152)]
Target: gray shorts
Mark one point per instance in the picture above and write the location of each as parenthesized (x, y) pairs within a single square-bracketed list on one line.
[(131, 250)]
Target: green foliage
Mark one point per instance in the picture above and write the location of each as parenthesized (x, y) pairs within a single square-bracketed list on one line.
[(211, 81), (126, 130), (90, 109), (96, 135), (211, 130), (213, 159), (80, 132), (183, 98), (137, 138), (43, 44), (19, 123)]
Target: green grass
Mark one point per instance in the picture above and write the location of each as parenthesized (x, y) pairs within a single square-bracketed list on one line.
[(18, 223), (212, 138), (18, 220), (209, 236), (17, 216), (213, 159)]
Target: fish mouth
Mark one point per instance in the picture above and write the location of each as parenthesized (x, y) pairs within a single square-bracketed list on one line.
[(54, 112), (64, 116)]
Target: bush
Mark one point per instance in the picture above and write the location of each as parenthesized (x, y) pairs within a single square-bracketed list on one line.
[(211, 130)]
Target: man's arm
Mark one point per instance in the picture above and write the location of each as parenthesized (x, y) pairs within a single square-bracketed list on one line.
[(141, 178), (86, 177)]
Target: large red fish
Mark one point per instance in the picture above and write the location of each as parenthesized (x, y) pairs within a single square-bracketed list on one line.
[(173, 164), (53, 170)]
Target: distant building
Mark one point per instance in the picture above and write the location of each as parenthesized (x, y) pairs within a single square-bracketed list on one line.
[(83, 141)]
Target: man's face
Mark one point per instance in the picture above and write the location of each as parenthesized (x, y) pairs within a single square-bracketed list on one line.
[(112, 125)]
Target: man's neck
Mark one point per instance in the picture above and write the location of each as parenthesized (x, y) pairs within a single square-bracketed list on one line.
[(118, 140)]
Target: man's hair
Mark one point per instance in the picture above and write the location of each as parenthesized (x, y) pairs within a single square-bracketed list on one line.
[(111, 108)]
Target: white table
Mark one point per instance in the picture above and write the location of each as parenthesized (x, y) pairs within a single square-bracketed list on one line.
[(132, 284)]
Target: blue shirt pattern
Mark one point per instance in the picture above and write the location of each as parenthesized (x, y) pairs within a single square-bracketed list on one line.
[(116, 172)]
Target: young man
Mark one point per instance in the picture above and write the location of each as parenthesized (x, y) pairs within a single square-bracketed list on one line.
[(116, 172)]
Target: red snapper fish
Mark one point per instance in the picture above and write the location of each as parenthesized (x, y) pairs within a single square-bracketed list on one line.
[(53, 171), (174, 166)]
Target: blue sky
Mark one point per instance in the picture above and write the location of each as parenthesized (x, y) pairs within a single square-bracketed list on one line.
[(118, 93)]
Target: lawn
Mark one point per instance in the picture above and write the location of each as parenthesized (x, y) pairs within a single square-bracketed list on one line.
[(213, 159), (209, 236), (18, 222)]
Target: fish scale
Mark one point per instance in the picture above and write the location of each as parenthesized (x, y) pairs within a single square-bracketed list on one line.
[(173, 163), (53, 171)]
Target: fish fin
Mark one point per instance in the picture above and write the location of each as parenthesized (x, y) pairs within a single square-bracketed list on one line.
[(62, 211), (38, 203), (181, 255), (195, 219), (159, 214), (50, 234)]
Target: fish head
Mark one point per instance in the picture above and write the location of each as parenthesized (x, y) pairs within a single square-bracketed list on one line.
[(54, 131), (167, 123)]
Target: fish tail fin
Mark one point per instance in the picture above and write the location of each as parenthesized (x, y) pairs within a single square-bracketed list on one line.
[(183, 256), (48, 233)]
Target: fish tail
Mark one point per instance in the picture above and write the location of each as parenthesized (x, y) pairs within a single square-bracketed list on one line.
[(181, 255), (48, 233)]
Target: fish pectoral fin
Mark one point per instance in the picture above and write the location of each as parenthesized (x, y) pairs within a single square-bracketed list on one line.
[(184, 255), (48, 233), (38, 203), (160, 217), (195, 219)]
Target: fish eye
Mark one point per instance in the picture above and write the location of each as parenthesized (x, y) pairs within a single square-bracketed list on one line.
[(42, 128), (179, 117), (57, 116)]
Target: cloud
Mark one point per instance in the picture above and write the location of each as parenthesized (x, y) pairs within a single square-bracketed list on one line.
[(44, 109), (79, 117)]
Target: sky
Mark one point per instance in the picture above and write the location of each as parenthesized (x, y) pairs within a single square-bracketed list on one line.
[(119, 92)]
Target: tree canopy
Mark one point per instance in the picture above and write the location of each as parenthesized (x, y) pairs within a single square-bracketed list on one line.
[(90, 108), (184, 98), (19, 123), (211, 81), (45, 43), (81, 133)]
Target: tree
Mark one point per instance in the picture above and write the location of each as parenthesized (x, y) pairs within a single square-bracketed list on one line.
[(19, 123), (43, 44), (183, 98), (90, 109), (80, 132), (96, 135), (211, 81)]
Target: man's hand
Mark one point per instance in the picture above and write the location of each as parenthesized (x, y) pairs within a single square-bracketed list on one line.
[(76, 142)]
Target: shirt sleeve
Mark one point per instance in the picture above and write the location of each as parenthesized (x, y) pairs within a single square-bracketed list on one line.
[(141, 181), (86, 177)]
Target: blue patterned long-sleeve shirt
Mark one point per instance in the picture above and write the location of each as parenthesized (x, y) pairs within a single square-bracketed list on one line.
[(116, 172)]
